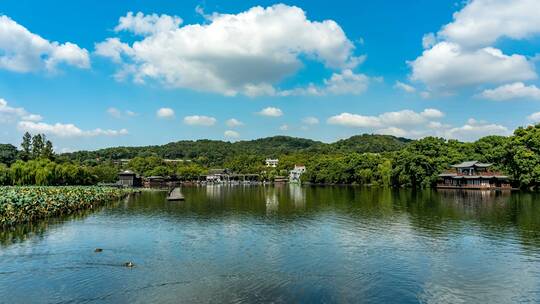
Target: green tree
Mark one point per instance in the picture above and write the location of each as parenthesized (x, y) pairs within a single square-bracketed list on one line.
[(48, 151), (26, 145), (421, 161), (384, 170), (190, 171), (105, 173), (21, 173), (523, 156), (5, 178), (37, 145), (161, 170), (44, 174), (144, 165), (8, 154)]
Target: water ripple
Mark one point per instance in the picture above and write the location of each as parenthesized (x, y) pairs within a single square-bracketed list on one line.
[(332, 244)]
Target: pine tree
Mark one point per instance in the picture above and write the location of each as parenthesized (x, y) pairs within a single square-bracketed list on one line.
[(48, 151), (26, 145), (37, 146)]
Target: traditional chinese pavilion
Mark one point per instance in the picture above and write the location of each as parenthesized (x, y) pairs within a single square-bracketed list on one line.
[(473, 175)]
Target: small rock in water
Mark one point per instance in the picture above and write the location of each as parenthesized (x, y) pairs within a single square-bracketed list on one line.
[(98, 250), (129, 264)]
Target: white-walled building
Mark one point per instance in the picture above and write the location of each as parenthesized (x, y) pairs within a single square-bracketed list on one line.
[(296, 173), (272, 162)]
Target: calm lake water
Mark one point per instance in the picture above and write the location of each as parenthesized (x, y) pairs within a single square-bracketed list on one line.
[(251, 244)]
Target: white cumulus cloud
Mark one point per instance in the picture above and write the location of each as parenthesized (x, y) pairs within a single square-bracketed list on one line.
[(271, 112), (432, 113), (200, 120), (233, 123), (407, 123), (429, 40), (166, 113), (116, 113), (404, 87), (344, 83), (482, 22), (245, 53), (65, 130), (534, 117), (231, 134), (408, 117), (395, 131), (475, 129), (447, 66), (11, 114), (517, 90), (397, 118), (141, 24), (354, 120), (112, 48), (23, 51), (462, 54)]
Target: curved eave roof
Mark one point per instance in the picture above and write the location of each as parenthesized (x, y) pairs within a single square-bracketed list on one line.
[(472, 163)]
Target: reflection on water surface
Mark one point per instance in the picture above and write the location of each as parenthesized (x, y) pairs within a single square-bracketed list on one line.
[(283, 244)]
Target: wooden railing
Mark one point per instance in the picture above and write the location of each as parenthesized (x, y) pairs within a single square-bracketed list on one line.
[(488, 173)]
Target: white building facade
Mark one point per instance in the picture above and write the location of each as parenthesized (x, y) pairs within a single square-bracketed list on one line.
[(272, 163), (296, 173)]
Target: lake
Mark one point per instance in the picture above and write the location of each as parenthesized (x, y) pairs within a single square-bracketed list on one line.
[(251, 244)]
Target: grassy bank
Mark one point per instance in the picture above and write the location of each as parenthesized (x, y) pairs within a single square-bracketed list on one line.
[(27, 204)]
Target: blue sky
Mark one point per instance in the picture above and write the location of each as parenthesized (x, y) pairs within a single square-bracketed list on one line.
[(151, 72)]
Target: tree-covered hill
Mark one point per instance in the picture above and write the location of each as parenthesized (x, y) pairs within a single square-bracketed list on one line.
[(215, 152), (371, 143)]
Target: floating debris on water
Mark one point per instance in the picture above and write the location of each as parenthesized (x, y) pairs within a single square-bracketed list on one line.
[(129, 264), (98, 250)]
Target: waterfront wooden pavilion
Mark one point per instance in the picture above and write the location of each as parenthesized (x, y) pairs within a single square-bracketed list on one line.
[(129, 179), (473, 175)]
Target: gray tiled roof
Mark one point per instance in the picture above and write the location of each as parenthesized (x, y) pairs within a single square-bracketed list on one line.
[(471, 163), (465, 164)]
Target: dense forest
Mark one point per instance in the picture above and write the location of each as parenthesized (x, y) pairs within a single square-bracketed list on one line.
[(364, 159), (212, 153)]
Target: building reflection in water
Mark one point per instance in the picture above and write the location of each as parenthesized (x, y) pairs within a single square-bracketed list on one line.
[(272, 202), (298, 196), (214, 191), (474, 202), (473, 197)]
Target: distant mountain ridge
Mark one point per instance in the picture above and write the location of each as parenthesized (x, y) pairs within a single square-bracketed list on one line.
[(216, 151)]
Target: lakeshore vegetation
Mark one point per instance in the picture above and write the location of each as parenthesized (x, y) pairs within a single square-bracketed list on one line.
[(364, 159)]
